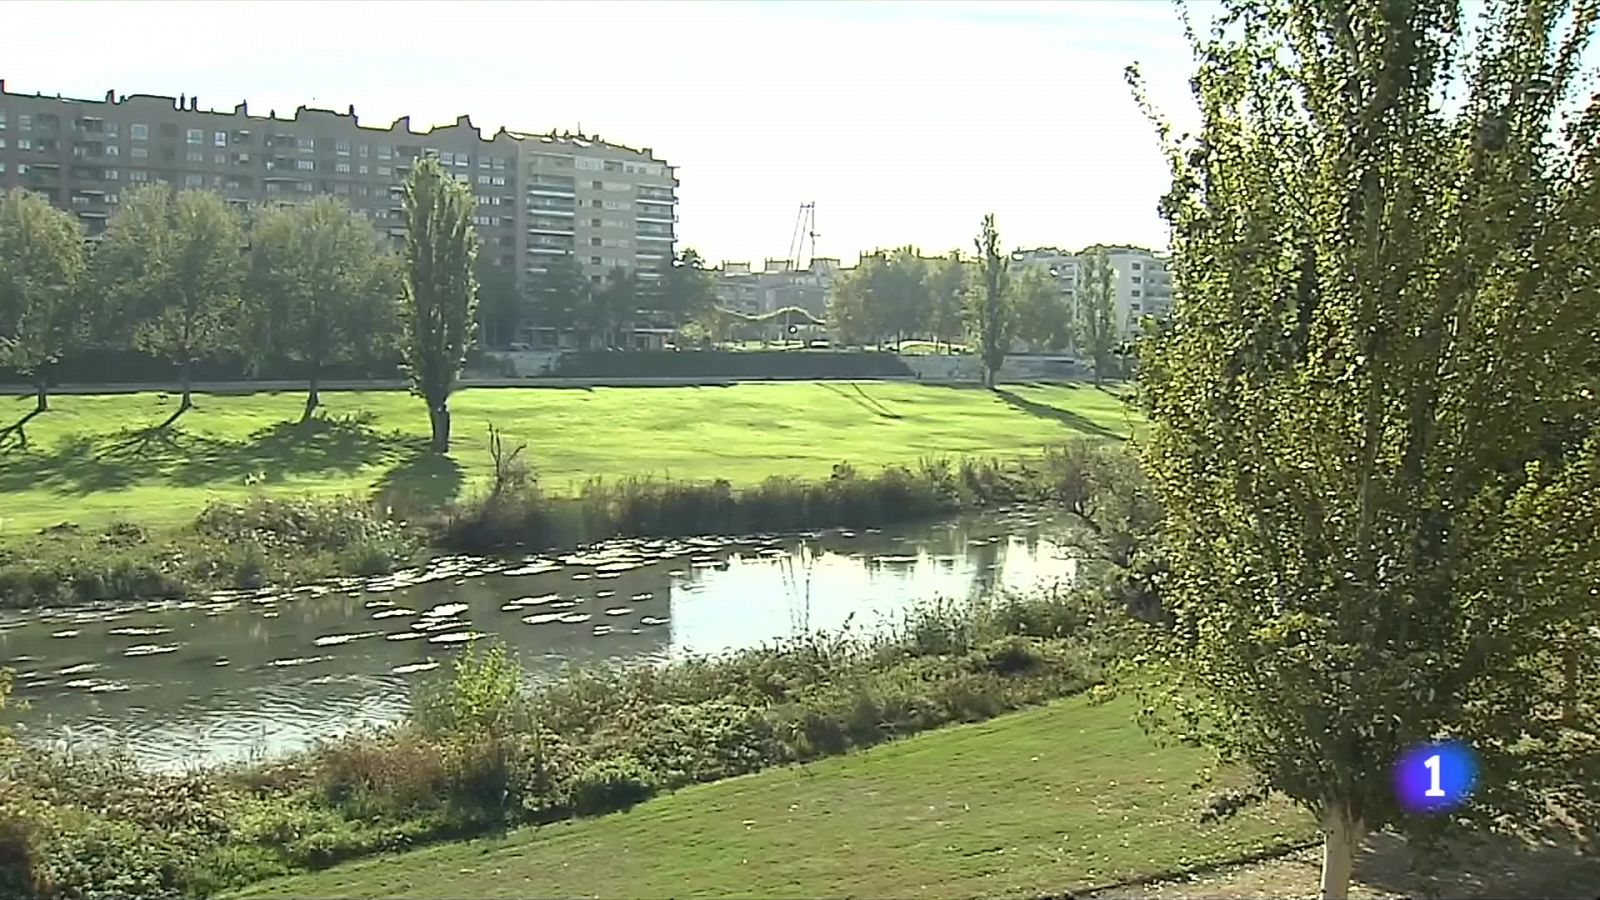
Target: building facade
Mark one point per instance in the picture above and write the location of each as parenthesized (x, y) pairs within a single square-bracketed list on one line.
[(537, 195), (779, 285), (1140, 282)]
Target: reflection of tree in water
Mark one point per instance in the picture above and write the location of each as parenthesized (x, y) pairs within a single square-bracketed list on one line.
[(986, 559), (797, 586)]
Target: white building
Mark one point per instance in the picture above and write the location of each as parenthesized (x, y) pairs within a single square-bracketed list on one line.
[(1140, 281)]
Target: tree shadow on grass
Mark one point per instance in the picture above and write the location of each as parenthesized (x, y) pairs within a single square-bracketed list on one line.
[(84, 464), (1074, 420), (16, 433), (421, 480), (862, 399)]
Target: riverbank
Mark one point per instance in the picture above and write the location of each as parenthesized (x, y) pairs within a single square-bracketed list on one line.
[(479, 753), (1063, 798), (274, 542), (91, 460)]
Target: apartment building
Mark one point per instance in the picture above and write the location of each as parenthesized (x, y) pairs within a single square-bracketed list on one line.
[(1140, 282), (780, 284), (538, 195)]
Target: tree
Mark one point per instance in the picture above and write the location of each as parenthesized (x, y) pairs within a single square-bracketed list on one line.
[(501, 310), (991, 314), (1373, 430), (616, 303), (173, 263), (558, 295), (1042, 316), (688, 290), (439, 290), (316, 291), (852, 316), (41, 270), (900, 293), (1096, 321), (946, 283)]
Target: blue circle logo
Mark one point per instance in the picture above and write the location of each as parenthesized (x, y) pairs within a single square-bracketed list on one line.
[(1435, 777)]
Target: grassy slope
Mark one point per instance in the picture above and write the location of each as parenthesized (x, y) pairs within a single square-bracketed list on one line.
[(1047, 800), (81, 465)]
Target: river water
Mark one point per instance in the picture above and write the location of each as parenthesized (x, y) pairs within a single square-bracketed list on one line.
[(256, 675)]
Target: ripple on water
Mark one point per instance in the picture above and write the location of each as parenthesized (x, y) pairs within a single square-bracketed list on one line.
[(298, 661), (573, 618), (652, 620), (140, 632), (542, 618), (446, 611), (150, 649), (601, 595), (431, 625), (534, 568), (455, 637), (404, 636), (415, 667), (80, 669), (582, 576), (640, 598), (618, 611), (69, 633), (391, 613), (96, 685), (334, 640), (602, 630)]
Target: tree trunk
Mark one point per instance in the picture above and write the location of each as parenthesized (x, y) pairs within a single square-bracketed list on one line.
[(1569, 686), (439, 419), (313, 397), (41, 395), (1342, 835), (186, 379)]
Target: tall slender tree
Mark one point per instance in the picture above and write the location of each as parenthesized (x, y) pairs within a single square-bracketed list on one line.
[(41, 273), (1373, 427), (173, 263), (991, 314), (1096, 319), (439, 292), (947, 280), (314, 268)]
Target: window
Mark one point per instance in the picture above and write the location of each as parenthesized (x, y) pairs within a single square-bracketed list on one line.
[(111, 129), (2, 168), (463, 178), (588, 165), (361, 151), (139, 132), (594, 223), (483, 179), (499, 162), (272, 187), (612, 165), (110, 174), (614, 204), (24, 121), (594, 242), (24, 144), (193, 181), (113, 150), (195, 156), (361, 169), (597, 185), (2, 143), (341, 188), (361, 190), (2, 120), (240, 159), (342, 168), (139, 152), (384, 152), (303, 187), (445, 158), (138, 175), (305, 165), (498, 181), (613, 223), (196, 136), (595, 204), (384, 170), (113, 199), (595, 260), (483, 162), (342, 148), (219, 139), (306, 145)]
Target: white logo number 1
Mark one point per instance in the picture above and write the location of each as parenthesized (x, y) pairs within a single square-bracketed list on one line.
[(1434, 790)]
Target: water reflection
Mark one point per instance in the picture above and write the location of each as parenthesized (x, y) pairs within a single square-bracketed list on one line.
[(249, 675)]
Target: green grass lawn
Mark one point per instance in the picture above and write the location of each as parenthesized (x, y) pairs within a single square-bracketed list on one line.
[(1049, 800), (85, 463)]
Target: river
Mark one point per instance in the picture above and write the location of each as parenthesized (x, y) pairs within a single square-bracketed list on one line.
[(255, 675)]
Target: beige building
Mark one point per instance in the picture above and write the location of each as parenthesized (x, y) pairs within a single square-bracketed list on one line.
[(1140, 282), (537, 195)]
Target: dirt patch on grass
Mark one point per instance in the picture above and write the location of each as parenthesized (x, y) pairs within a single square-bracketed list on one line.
[(1384, 872)]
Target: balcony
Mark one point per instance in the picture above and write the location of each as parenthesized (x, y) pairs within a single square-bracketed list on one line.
[(550, 229), (553, 251), (566, 212), (649, 196), (551, 190), (643, 236), (656, 215)]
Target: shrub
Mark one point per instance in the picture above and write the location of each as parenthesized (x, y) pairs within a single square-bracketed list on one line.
[(610, 784)]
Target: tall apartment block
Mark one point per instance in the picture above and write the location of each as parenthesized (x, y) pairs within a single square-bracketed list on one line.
[(1140, 282), (538, 195)]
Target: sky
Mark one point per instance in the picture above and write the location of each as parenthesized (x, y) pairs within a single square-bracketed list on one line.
[(904, 122)]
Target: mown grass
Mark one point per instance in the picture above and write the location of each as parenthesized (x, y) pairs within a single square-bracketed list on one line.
[(1044, 801), (89, 460)]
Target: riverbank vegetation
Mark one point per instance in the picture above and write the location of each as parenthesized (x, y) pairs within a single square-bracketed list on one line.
[(479, 752), (267, 541)]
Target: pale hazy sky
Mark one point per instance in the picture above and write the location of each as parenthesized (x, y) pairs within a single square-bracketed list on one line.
[(905, 122)]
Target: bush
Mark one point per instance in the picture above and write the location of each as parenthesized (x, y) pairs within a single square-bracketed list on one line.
[(610, 784)]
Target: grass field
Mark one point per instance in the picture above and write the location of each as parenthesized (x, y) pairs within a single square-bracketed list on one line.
[(1050, 800), (85, 462)]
